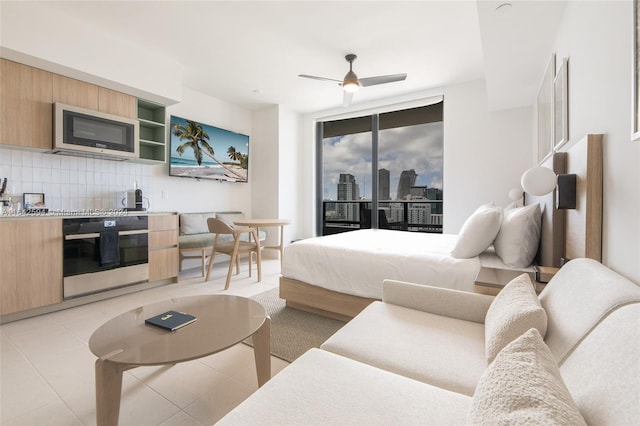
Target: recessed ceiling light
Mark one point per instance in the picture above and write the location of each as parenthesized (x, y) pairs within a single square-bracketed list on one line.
[(503, 7)]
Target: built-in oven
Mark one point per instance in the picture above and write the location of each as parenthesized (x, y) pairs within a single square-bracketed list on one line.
[(103, 253)]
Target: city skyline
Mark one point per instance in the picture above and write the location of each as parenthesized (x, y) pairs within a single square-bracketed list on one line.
[(418, 147)]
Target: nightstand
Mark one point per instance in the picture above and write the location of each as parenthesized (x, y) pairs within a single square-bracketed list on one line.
[(491, 280)]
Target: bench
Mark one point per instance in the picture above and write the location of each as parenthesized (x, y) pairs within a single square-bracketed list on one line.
[(195, 241)]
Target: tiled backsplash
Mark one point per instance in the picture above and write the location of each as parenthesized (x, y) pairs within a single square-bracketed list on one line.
[(72, 183)]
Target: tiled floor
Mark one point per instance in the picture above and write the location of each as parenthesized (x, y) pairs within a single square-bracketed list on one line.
[(47, 369)]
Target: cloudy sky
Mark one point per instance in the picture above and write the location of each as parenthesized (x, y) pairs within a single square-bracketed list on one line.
[(403, 148)]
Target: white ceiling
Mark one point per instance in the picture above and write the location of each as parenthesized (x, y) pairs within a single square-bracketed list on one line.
[(250, 53)]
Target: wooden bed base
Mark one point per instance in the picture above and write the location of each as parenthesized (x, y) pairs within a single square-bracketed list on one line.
[(318, 300)]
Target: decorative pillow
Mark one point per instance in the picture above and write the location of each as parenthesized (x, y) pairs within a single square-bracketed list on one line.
[(194, 223), (519, 236), (523, 386), (229, 218), (478, 232), (515, 310)]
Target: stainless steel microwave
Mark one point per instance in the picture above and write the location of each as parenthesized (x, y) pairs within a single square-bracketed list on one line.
[(83, 131)]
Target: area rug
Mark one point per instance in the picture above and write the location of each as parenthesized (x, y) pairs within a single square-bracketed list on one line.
[(293, 332)]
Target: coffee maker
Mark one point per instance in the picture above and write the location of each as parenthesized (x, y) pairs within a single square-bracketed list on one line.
[(134, 200)]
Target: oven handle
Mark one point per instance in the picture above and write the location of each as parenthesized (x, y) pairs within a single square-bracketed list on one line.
[(97, 235)]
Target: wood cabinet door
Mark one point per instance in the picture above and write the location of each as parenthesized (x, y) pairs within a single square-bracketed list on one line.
[(30, 264), (163, 264), (116, 103), (75, 92), (25, 106)]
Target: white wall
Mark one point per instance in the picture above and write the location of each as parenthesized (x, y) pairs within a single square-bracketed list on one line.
[(597, 38), (276, 184), (198, 195), (485, 152)]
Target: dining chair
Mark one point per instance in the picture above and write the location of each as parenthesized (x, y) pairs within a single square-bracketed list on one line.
[(234, 247)]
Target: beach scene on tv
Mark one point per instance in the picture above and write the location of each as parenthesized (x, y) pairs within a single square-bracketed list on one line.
[(203, 151)]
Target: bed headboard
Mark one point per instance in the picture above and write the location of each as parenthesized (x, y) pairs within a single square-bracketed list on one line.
[(577, 232)]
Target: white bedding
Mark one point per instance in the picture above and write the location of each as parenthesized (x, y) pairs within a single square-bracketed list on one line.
[(356, 262)]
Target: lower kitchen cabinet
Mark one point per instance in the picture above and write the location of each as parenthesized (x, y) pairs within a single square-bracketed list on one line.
[(30, 264), (163, 247)]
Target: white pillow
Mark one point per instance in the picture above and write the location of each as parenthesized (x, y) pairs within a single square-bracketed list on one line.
[(519, 236), (514, 310), (478, 232), (523, 386)]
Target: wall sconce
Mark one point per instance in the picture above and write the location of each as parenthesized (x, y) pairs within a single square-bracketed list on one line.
[(540, 181)]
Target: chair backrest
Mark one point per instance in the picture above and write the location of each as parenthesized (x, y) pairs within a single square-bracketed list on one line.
[(218, 226)]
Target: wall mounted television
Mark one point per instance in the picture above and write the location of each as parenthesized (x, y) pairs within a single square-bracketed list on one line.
[(203, 151)]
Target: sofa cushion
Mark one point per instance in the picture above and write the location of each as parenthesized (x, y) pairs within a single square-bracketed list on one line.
[(523, 386), (415, 344), (321, 388), (230, 217), (577, 298), (478, 232), (194, 223), (514, 310), (603, 371)]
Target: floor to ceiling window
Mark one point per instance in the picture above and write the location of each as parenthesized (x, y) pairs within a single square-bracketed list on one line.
[(381, 171)]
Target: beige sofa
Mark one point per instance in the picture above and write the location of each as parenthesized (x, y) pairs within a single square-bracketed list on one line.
[(421, 356)]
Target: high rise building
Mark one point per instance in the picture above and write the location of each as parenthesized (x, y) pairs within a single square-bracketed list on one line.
[(384, 183), (407, 180), (348, 189)]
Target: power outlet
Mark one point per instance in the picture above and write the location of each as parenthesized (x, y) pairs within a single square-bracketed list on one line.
[(165, 195)]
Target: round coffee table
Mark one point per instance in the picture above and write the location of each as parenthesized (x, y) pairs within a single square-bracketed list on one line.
[(126, 342)]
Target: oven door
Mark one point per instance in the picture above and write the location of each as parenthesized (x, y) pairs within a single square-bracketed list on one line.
[(86, 272)]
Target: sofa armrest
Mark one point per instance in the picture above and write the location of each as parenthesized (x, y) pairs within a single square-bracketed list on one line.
[(436, 300)]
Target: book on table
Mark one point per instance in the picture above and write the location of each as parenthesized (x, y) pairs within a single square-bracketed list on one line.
[(171, 320)]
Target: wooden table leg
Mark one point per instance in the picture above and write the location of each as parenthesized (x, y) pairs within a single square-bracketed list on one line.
[(108, 391), (262, 351)]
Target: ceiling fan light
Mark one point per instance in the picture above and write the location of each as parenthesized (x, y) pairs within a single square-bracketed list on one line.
[(350, 86)]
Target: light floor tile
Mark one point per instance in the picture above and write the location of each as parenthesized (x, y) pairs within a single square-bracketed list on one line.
[(56, 414), (47, 369)]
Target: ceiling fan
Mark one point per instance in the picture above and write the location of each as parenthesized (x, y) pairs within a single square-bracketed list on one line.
[(351, 83)]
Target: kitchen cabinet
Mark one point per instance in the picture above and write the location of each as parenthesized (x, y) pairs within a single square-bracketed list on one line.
[(90, 96), (27, 95), (25, 106), (153, 134), (116, 103), (163, 247), (75, 92), (30, 264)]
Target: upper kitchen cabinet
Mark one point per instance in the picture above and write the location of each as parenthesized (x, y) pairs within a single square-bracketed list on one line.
[(26, 98), (75, 92), (153, 132), (90, 96), (116, 103)]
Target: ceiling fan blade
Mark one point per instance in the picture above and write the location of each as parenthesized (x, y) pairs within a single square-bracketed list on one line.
[(346, 98), (381, 79), (320, 78)]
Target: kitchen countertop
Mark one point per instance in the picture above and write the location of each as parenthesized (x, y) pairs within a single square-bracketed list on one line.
[(67, 214)]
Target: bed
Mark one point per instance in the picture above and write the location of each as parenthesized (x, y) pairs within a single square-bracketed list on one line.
[(339, 275)]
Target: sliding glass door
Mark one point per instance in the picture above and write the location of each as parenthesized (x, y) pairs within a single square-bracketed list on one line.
[(381, 171)]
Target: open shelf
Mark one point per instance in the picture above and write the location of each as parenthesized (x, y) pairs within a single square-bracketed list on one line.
[(153, 134)]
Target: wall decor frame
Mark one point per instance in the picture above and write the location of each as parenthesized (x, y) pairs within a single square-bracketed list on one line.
[(635, 82), (561, 106), (545, 111)]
